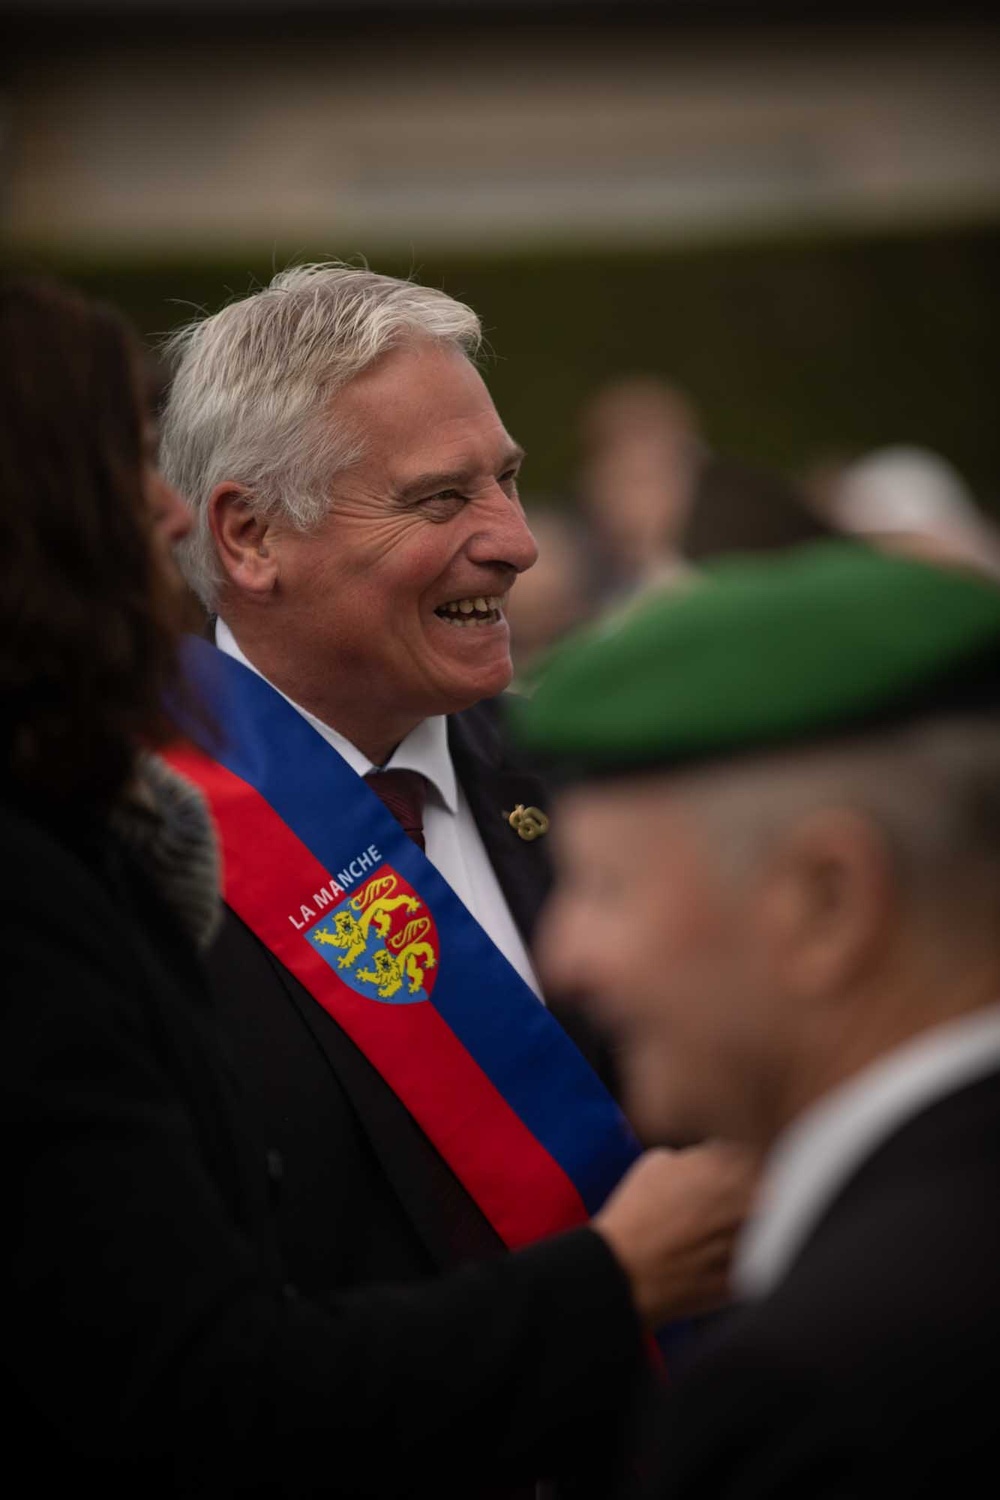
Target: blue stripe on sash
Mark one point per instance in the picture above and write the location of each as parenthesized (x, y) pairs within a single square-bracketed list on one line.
[(485, 1002)]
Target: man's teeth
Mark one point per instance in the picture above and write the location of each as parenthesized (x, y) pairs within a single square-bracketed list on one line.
[(485, 608)]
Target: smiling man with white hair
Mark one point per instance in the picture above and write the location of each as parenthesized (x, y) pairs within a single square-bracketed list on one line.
[(358, 531)]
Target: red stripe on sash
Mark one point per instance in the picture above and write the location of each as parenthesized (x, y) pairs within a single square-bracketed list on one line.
[(268, 873)]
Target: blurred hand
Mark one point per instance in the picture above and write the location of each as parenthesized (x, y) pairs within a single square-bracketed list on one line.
[(672, 1223)]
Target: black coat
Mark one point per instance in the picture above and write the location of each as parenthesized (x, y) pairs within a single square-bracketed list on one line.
[(152, 1344), (365, 1196), (873, 1369)]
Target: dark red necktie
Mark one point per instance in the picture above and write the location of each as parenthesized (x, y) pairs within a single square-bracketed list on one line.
[(403, 794)]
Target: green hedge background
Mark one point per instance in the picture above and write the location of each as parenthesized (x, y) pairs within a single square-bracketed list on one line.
[(792, 349)]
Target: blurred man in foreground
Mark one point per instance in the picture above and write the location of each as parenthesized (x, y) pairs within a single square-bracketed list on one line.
[(780, 882)]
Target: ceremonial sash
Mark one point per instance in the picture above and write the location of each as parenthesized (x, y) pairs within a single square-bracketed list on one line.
[(324, 875)]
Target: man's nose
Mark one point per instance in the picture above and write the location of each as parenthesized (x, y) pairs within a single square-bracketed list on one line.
[(177, 516), (557, 951), (172, 516), (504, 535), (181, 517)]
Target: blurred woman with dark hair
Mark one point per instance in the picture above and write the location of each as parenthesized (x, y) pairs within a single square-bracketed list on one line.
[(91, 602), (90, 609), (151, 1344)]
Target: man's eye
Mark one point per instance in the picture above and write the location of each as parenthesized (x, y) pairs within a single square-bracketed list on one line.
[(509, 478), (442, 505)]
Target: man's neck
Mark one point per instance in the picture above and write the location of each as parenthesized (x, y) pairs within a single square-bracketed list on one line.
[(375, 735)]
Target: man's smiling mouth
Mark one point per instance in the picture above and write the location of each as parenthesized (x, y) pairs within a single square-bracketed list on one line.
[(483, 609)]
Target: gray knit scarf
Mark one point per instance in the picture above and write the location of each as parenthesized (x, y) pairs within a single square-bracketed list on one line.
[(164, 821)]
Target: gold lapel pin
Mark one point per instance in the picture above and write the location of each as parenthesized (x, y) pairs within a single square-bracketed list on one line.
[(528, 822)]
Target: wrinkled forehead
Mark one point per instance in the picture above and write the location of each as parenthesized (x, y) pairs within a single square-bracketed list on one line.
[(423, 405)]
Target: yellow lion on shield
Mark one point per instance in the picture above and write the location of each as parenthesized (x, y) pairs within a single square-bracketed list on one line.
[(374, 901)]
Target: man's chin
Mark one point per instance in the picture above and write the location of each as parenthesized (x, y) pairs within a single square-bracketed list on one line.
[(462, 690), (657, 1103)]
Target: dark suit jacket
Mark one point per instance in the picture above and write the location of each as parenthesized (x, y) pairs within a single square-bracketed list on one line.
[(152, 1345), (873, 1370), (364, 1196)]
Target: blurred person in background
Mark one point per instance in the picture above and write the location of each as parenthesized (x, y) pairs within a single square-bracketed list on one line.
[(912, 500), (555, 595), (740, 507), (357, 534), (641, 445), (154, 1343), (785, 807), (732, 507)]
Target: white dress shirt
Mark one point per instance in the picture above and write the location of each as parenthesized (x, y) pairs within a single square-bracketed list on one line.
[(452, 840), (817, 1154)]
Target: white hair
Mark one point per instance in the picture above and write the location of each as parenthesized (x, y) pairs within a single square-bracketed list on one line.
[(250, 396)]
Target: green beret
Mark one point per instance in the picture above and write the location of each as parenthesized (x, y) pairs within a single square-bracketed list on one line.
[(757, 653)]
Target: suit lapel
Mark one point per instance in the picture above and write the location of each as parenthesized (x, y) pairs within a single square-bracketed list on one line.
[(494, 786)]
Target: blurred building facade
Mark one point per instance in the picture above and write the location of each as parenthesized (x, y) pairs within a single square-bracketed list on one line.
[(161, 130), (791, 214)]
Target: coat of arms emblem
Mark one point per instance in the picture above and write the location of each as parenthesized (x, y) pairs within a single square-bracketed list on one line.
[(382, 941)]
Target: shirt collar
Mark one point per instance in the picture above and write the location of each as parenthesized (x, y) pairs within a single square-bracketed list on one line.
[(425, 749), (817, 1154)]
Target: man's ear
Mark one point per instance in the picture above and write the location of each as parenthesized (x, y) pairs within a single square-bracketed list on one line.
[(830, 898), (242, 540)]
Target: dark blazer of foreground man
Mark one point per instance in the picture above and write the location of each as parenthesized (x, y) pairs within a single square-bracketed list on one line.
[(154, 1342), (801, 759)]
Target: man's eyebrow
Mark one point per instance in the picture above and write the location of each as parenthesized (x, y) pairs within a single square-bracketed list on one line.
[(454, 479)]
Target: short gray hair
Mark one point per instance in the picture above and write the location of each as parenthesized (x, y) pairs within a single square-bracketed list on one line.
[(250, 395), (931, 787)]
